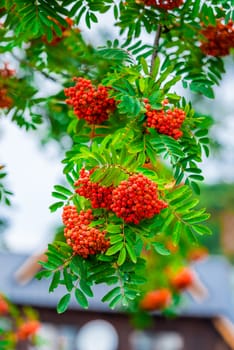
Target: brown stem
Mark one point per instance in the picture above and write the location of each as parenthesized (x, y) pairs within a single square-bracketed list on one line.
[(155, 45)]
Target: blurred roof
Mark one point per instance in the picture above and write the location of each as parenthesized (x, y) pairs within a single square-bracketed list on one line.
[(214, 273)]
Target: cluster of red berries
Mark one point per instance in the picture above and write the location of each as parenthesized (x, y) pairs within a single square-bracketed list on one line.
[(28, 329), (136, 199), (5, 73), (89, 102), (4, 307), (83, 239), (5, 100), (167, 122), (133, 199), (100, 196), (219, 39), (164, 4), (65, 32), (156, 300)]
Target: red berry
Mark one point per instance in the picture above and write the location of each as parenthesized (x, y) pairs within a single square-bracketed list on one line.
[(182, 279), (28, 329), (5, 100), (219, 39), (136, 199), (196, 254), (166, 122), (89, 102), (100, 196), (156, 299), (4, 307), (83, 239), (5, 73)]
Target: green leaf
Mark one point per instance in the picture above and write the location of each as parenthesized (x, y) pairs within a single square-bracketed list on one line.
[(59, 195), (111, 294), (144, 65), (176, 233), (55, 281), (86, 288), (170, 83), (55, 206), (179, 192), (196, 218), (131, 252), (122, 256), (113, 228), (195, 187), (63, 303), (201, 230), (81, 298), (75, 8), (76, 265), (196, 177), (160, 248), (155, 68), (43, 273), (116, 238), (193, 170), (114, 249), (68, 280), (55, 258), (63, 190), (93, 17), (115, 301)]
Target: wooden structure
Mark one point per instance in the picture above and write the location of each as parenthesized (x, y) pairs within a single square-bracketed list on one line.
[(206, 325)]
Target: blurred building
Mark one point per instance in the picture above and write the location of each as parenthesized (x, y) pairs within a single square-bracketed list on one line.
[(203, 324)]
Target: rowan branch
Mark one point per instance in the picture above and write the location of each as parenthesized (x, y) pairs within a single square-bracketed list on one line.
[(155, 46)]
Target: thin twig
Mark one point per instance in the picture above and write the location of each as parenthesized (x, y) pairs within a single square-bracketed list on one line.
[(30, 66), (155, 45)]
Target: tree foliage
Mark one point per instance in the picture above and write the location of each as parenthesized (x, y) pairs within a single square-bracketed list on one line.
[(148, 133)]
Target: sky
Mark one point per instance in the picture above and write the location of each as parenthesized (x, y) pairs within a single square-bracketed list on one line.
[(31, 176)]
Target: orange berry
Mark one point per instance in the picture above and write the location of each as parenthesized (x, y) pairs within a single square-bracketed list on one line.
[(4, 307), (28, 329), (182, 279), (156, 300)]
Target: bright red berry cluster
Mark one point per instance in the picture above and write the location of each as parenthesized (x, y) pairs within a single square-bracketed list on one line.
[(219, 39), (136, 199), (100, 196), (5, 73), (133, 200), (167, 122), (89, 102), (83, 239), (156, 300), (28, 329), (164, 4)]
